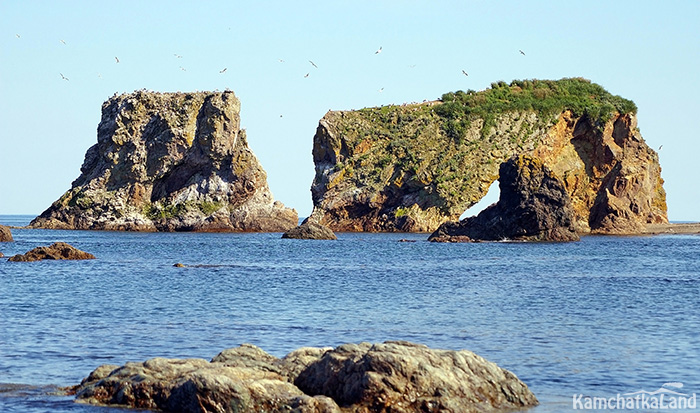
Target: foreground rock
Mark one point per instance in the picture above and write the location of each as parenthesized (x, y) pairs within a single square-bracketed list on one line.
[(533, 206), (310, 230), (389, 377), (170, 162), (412, 167), (5, 234), (55, 251)]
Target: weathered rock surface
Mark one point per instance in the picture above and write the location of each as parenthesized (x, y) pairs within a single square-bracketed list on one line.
[(533, 206), (170, 162), (55, 251), (389, 377), (5, 234), (412, 167), (310, 230)]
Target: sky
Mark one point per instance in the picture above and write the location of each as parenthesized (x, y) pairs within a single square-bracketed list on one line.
[(58, 64)]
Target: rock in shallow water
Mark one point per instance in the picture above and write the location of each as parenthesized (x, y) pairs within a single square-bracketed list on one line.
[(5, 234), (55, 251), (389, 377), (310, 230)]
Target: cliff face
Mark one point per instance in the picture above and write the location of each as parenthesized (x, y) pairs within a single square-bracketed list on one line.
[(170, 162), (413, 167)]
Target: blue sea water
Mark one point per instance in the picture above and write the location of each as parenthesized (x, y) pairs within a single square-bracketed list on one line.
[(599, 317)]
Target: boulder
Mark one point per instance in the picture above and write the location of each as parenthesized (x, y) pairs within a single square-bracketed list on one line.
[(5, 234), (310, 230), (170, 162), (412, 167), (407, 377), (533, 206), (389, 377), (55, 251)]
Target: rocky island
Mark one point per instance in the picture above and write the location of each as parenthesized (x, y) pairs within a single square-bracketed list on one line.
[(413, 167), (170, 162)]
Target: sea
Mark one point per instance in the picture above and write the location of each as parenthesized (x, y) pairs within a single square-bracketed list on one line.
[(605, 317)]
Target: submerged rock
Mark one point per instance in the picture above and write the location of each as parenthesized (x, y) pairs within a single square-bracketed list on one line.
[(412, 167), (533, 206), (389, 377), (310, 230), (5, 234), (170, 162), (55, 251)]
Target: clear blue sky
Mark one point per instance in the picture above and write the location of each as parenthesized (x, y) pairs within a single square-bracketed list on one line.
[(647, 51)]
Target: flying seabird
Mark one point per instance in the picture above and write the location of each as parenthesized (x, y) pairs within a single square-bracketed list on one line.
[(661, 146), (183, 69), (223, 70), (18, 36), (378, 50), (63, 77), (522, 53), (381, 90), (116, 58), (62, 41), (306, 75), (465, 73), (178, 56), (280, 60), (313, 64)]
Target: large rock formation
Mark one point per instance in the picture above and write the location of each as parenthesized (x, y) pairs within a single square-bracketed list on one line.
[(5, 234), (170, 162), (415, 166), (397, 377), (55, 251), (533, 206)]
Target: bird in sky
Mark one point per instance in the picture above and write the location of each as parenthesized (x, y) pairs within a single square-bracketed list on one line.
[(178, 56), (183, 69), (223, 70), (313, 64), (280, 60), (63, 77), (465, 73), (62, 41), (307, 75), (661, 146), (378, 50), (18, 36), (116, 58), (381, 90), (522, 53)]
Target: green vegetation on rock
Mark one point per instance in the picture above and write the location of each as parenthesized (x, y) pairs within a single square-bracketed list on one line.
[(547, 97)]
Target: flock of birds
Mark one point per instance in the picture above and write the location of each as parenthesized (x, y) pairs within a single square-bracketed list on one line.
[(222, 71)]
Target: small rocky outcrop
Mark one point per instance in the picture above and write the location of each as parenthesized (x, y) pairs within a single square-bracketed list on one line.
[(5, 234), (55, 251), (391, 377), (533, 206), (310, 230), (412, 167), (170, 162)]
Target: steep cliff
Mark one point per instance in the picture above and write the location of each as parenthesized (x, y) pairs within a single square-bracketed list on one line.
[(414, 166), (170, 162)]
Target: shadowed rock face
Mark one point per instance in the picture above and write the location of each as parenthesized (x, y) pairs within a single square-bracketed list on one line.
[(533, 206), (392, 377), (413, 167), (170, 162)]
